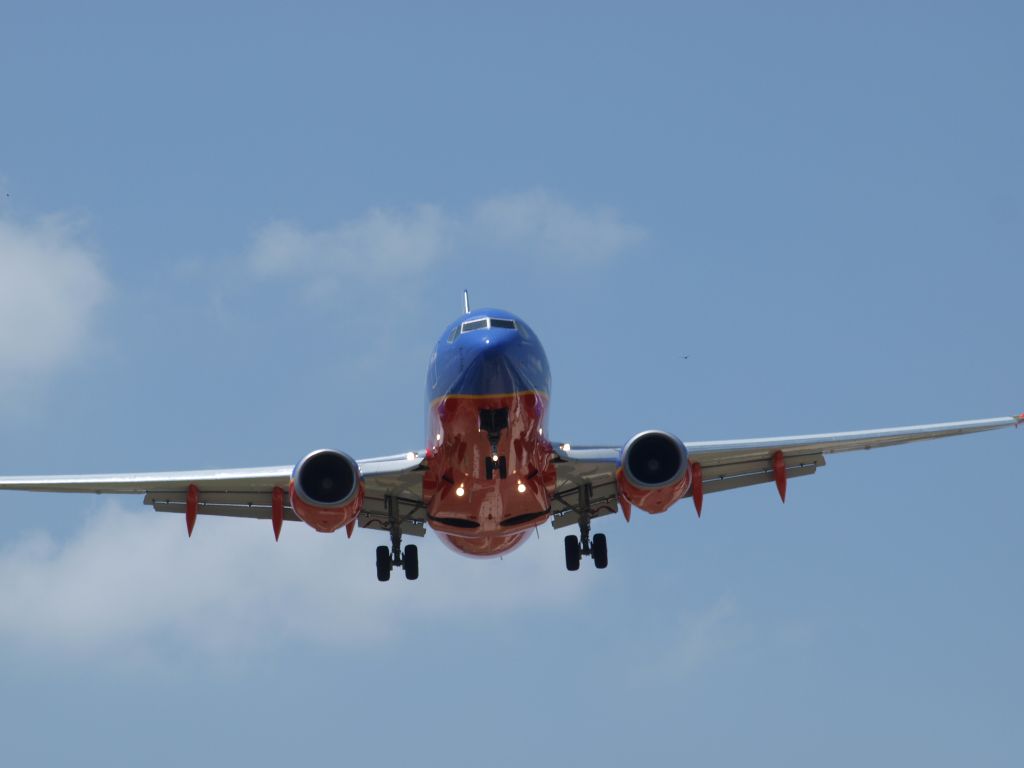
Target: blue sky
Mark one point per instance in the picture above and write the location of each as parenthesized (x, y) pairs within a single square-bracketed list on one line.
[(229, 236)]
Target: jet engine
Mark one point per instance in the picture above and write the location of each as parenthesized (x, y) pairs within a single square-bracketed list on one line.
[(326, 490), (654, 472)]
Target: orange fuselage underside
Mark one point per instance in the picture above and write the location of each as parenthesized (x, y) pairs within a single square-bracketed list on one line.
[(475, 514)]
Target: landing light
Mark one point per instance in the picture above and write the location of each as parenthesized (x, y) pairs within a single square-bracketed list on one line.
[(521, 487), (410, 456), (460, 491), (566, 447), (494, 458), (438, 437)]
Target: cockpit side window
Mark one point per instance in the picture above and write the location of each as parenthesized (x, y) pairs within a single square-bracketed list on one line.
[(453, 335)]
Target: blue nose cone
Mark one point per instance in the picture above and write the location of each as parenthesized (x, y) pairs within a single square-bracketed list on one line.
[(494, 364), (490, 352), (494, 342)]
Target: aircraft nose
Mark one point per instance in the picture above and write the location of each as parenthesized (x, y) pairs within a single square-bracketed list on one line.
[(498, 341), (498, 350), (496, 367)]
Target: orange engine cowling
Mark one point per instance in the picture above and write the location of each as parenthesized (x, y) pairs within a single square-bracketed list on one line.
[(654, 472), (326, 490)]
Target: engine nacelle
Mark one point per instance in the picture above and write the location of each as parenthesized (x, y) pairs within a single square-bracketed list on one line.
[(654, 473), (326, 490)]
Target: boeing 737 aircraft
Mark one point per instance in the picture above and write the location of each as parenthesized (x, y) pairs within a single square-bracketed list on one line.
[(490, 473)]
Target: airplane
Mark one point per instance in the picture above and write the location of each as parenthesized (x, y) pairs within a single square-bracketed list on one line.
[(490, 473)]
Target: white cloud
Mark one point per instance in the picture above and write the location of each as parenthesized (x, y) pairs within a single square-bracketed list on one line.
[(545, 227), (379, 244), (536, 225), (132, 583), (50, 288)]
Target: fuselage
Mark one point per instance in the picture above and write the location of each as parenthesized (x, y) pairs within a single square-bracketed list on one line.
[(489, 474)]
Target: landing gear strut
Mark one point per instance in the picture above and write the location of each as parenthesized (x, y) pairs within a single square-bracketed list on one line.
[(577, 547), (389, 558)]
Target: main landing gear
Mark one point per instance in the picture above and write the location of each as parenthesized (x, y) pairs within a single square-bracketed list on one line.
[(389, 558), (577, 547)]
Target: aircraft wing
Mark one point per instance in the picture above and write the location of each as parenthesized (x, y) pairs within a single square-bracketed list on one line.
[(586, 475), (248, 492), (728, 464)]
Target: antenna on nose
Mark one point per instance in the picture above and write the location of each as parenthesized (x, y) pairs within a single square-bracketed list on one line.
[(465, 300)]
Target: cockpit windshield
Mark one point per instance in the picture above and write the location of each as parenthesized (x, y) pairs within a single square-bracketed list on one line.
[(487, 322)]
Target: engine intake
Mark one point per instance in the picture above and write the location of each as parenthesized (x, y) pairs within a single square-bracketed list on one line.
[(326, 490), (654, 473), (654, 459)]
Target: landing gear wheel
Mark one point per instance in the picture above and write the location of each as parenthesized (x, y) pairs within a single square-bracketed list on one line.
[(383, 563), (411, 562), (572, 553), (599, 550)]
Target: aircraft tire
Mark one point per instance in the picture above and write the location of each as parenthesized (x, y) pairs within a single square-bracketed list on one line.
[(572, 553), (599, 550), (411, 562), (383, 563)]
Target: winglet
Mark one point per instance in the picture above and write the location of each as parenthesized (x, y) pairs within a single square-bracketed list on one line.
[(1019, 419)]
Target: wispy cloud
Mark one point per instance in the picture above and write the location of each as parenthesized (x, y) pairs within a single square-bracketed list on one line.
[(717, 633), (700, 638), (50, 288), (542, 226), (130, 582), (384, 244), (703, 635), (379, 244)]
